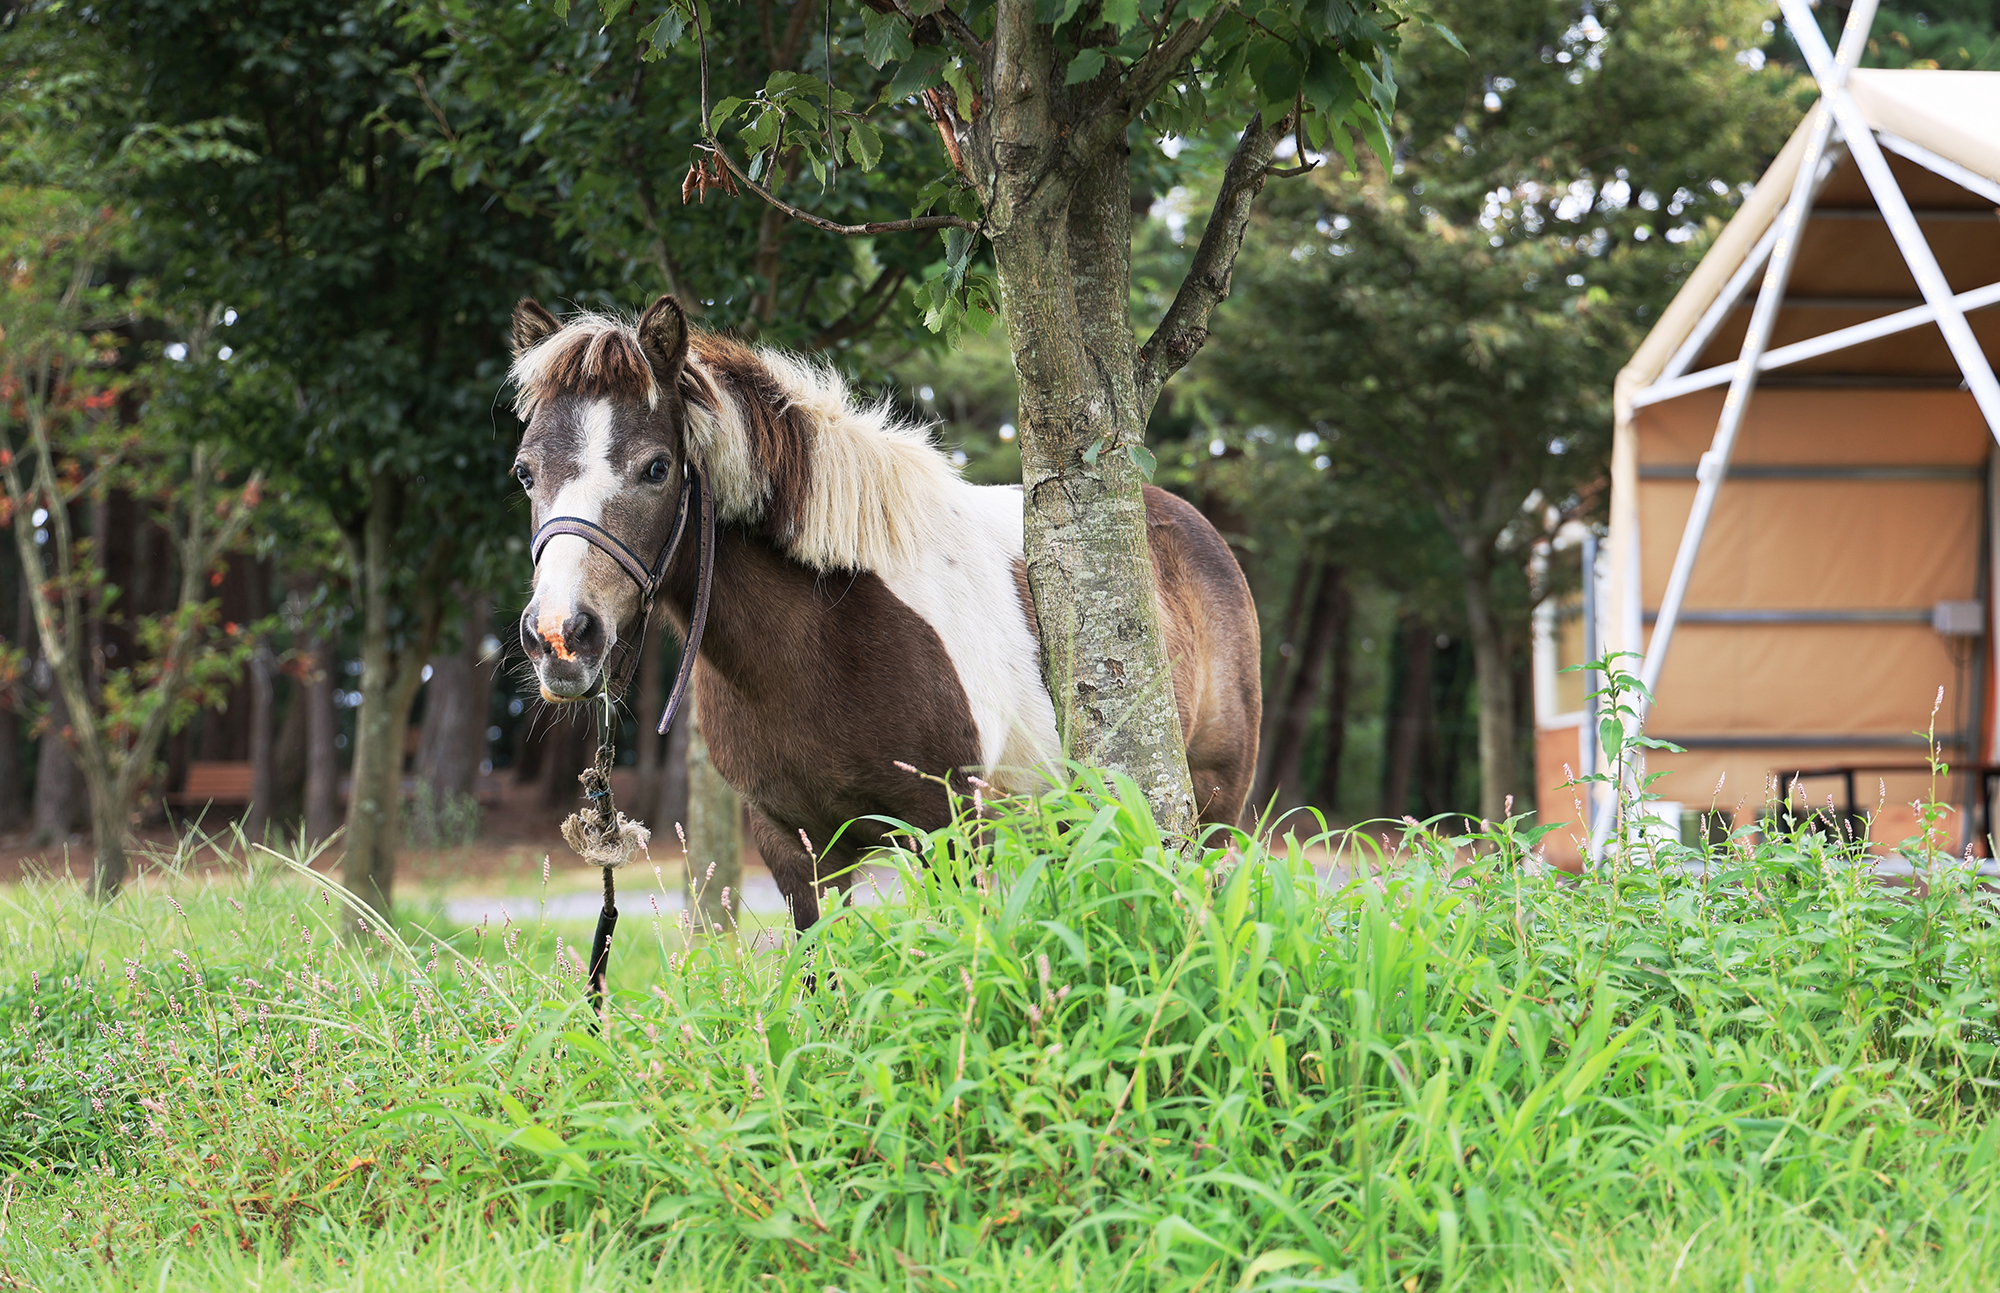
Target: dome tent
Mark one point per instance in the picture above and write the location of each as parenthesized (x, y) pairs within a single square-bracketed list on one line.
[(1802, 531)]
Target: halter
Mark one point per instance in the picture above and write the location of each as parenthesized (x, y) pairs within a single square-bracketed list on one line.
[(649, 579)]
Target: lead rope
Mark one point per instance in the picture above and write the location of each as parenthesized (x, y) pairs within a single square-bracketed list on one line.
[(598, 832)]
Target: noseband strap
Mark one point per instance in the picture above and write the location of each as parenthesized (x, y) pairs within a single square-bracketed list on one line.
[(649, 579)]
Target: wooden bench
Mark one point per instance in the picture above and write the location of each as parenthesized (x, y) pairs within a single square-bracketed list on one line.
[(214, 783)]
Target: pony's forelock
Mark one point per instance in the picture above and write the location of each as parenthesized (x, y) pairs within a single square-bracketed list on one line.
[(592, 356)]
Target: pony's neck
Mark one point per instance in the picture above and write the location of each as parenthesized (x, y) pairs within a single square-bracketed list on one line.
[(745, 639)]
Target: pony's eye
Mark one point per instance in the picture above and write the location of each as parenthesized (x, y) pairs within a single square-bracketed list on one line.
[(522, 474), (657, 471)]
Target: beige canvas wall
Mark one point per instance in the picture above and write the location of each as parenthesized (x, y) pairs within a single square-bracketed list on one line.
[(1803, 545)]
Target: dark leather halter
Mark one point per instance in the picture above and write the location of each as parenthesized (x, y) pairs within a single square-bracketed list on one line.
[(648, 578)]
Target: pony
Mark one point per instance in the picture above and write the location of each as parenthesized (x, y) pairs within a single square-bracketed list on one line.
[(871, 612)]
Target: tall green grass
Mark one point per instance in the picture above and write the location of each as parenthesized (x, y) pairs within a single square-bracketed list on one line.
[(1068, 1056)]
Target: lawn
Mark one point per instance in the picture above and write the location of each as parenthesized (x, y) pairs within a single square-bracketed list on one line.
[(1064, 1059)]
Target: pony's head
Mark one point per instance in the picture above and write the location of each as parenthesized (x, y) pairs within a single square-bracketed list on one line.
[(606, 445)]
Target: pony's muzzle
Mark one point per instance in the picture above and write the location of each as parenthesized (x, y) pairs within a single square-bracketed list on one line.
[(567, 655)]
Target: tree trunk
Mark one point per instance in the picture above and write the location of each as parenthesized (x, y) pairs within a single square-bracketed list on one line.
[(1495, 679), (1341, 682), (672, 800), (61, 801), (13, 804), (322, 810), (1301, 698), (566, 752), (651, 667), (263, 724), (1409, 716), (13, 775), (713, 880), (1060, 218), (453, 737), (531, 743), (389, 682), (1284, 660), (288, 759)]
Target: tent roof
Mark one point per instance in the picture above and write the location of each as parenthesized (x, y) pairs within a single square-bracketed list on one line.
[(1950, 114)]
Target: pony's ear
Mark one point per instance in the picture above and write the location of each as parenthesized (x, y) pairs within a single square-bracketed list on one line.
[(532, 325), (663, 335)]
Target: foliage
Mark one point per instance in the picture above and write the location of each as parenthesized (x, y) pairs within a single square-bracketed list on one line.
[(1057, 1053), (76, 429), (885, 81), (582, 125)]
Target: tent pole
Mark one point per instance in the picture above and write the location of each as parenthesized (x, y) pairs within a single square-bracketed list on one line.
[(1588, 752), (1743, 382), (1895, 208)]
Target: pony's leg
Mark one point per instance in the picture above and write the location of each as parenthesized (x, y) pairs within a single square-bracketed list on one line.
[(799, 877)]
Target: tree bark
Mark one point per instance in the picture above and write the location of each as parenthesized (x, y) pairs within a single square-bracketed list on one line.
[(60, 797), (712, 882), (1285, 658), (672, 799), (1410, 714), (452, 740), (288, 757), (566, 752), (1059, 215), (13, 804), (389, 681), (647, 756), (322, 809), (1340, 684), (263, 724), (14, 798), (1301, 697), (1495, 679)]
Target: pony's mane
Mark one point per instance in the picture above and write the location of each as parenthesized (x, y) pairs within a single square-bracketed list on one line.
[(837, 484)]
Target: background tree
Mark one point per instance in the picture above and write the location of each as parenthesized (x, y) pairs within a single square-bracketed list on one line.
[(1457, 319), (63, 441), (1037, 107), (372, 296)]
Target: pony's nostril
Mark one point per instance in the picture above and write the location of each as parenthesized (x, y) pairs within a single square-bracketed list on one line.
[(580, 633), (531, 641)]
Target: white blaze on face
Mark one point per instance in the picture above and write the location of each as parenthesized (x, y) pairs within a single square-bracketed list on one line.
[(559, 574)]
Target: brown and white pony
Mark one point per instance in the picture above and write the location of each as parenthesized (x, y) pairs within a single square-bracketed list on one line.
[(870, 607)]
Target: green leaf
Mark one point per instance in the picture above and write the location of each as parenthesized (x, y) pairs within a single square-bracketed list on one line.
[(1143, 459), (1275, 70), (864, 145), (885, 38), (960, 81), (664, 34), (1329, 82), (722, 112), (1087, 64), (914, 74), (1123, 15)]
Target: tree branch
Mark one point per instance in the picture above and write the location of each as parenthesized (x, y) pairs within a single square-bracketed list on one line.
[(714, 146), (1165, 60), (1184, 327), (912, 225)]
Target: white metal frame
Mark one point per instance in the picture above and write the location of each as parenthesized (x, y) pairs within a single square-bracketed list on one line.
[(1836, 111)]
